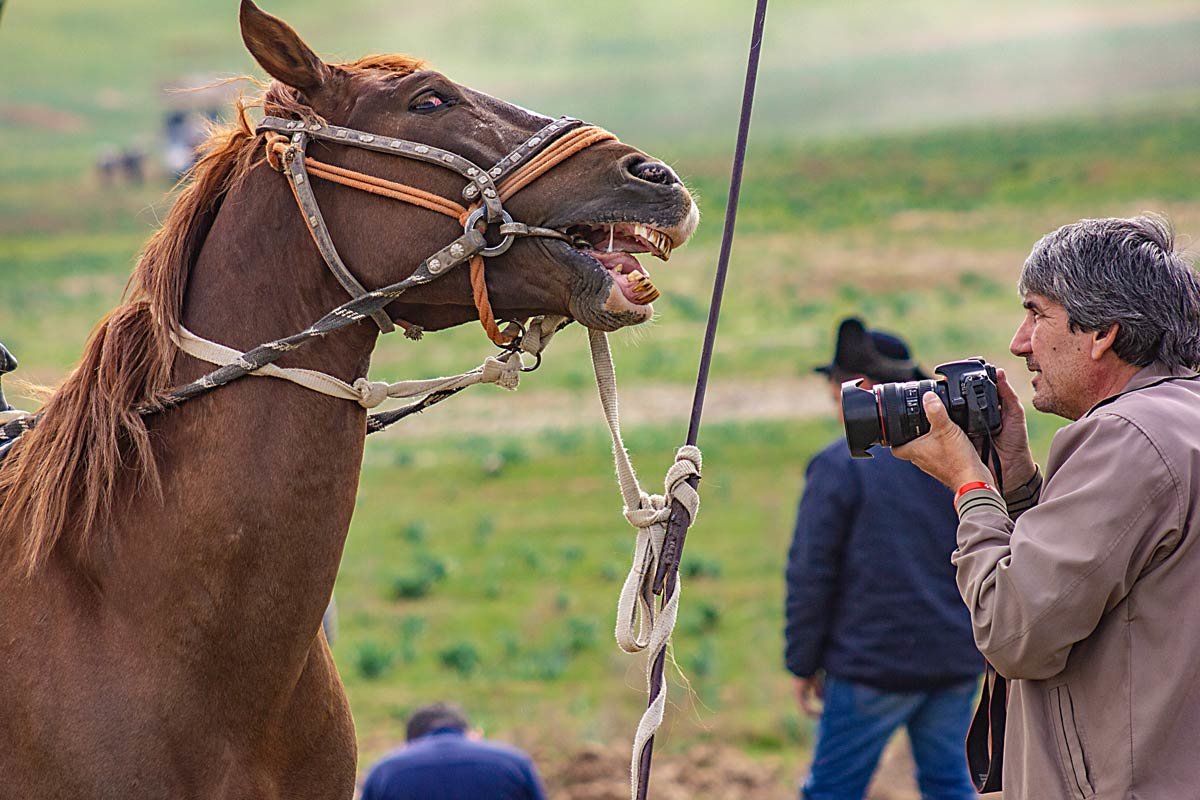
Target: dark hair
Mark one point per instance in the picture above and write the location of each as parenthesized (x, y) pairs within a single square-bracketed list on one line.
[(1122, 271), (430, 718)]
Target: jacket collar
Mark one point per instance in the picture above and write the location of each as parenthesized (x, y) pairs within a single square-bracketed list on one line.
[(1150, 375)]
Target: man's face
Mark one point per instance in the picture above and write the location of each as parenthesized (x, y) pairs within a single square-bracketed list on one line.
[(1064, 373)]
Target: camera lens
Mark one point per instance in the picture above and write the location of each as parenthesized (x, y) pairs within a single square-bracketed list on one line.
[(889, 414), (860, 411), (901, 410)]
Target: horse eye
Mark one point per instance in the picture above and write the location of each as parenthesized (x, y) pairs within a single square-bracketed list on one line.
[(426, 102)]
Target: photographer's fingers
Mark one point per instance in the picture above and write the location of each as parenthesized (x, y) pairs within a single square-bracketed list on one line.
[(1012, 442), (1009, 401), (939, 418), (945, 453)]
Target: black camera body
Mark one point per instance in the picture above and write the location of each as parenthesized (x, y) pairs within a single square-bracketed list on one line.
[(891, 414)]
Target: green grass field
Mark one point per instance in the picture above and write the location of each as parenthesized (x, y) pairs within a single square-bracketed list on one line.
[(901, 166)]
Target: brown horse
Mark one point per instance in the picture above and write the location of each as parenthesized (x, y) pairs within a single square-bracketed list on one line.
[(163, 576)]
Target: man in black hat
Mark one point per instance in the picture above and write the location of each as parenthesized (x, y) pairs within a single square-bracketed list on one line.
[(876, 629)]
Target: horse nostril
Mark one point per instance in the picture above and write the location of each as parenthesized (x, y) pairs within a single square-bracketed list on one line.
[(655, 172)]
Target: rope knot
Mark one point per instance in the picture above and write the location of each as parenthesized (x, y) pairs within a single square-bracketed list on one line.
[(541, 329), (504, 371), (371, 393), (691, 455), (688, 460), (653, 509)]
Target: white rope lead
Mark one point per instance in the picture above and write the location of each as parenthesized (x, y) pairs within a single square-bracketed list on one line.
[(503, 370), (639, 627)]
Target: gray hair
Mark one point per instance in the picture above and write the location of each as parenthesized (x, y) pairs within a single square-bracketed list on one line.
[(1124, 271)]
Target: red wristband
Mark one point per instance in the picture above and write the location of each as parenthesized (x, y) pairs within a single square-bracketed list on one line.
[(971, 486)]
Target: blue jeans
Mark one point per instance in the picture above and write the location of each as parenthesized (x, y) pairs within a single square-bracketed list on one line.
[(857, 722)]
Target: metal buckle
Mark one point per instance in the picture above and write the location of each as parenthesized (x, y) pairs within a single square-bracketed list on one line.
[(476, 217)]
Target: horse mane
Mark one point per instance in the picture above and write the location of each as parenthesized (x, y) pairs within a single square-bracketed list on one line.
[(62, 481)]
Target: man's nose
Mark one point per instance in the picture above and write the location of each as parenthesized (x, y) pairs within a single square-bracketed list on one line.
[(1019, 346)]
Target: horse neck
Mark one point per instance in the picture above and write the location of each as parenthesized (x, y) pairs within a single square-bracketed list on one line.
[(259, 475)]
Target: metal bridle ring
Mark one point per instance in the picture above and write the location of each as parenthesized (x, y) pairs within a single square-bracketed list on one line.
[(515, 344), (537, 363), (476, 217)]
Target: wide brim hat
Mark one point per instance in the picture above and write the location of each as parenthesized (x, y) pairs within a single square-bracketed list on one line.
[(880, 356)]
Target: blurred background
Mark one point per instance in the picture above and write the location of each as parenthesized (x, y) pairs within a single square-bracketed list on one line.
[(903, 159)]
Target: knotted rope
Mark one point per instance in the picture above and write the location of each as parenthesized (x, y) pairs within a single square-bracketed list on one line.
[(639, 626)]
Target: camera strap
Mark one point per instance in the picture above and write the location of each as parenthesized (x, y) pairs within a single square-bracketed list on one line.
[(985, 737), (989, 453)]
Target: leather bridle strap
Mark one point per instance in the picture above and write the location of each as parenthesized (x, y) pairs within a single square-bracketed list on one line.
[(554, 143), (315, 223)]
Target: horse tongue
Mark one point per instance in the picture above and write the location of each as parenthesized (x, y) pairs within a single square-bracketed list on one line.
[(618, 261)]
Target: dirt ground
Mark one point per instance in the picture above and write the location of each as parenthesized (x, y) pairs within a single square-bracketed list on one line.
[(709, 772)]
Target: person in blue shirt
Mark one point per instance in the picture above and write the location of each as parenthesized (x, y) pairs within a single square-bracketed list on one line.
[(877, 636), (442, 760)]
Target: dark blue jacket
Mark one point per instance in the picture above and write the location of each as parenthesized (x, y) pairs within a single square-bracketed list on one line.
[(870, 589), (446, 765)]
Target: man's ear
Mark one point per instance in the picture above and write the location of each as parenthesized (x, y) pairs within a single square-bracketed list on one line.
[(1102, 341), (280, 50)]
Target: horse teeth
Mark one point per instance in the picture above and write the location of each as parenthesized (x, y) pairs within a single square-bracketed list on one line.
[(636, 275), (663, 243), (649, 294)]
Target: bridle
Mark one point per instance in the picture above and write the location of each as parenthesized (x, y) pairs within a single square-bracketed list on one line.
[(485, 192)]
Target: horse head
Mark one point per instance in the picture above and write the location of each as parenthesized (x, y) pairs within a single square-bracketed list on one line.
[(607, 202)]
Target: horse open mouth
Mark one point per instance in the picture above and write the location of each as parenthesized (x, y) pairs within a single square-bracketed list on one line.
[(614, 244)]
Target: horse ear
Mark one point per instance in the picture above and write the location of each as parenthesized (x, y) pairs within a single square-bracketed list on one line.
[(280, 50)]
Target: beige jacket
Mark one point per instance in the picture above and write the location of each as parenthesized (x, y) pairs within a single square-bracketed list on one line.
[(1091, 604)]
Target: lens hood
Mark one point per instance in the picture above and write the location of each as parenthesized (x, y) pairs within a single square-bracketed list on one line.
[(860, 413)]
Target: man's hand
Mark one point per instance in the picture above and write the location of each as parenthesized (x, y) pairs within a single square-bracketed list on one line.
[(809, 693), (1012, 442), (946, 453)]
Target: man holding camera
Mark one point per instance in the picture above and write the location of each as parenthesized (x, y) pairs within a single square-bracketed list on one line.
[(884, 641), (1082, 586)]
